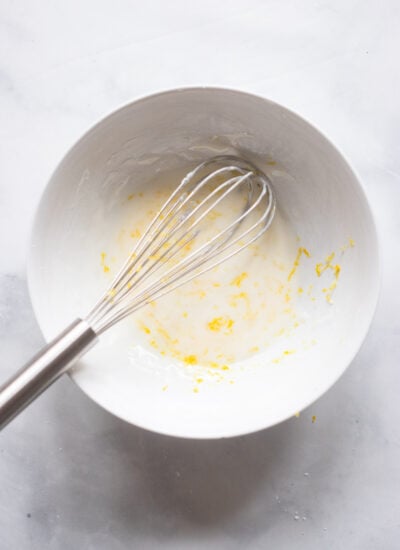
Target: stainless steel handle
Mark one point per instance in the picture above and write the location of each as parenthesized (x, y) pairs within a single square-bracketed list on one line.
[(44, 368)]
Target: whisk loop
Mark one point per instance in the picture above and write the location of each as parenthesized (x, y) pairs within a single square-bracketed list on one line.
[(171, 252)]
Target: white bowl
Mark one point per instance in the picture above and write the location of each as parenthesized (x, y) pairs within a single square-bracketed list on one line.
[(316, 190)]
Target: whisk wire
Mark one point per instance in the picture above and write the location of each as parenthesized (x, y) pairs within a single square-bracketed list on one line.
[(129, 274)]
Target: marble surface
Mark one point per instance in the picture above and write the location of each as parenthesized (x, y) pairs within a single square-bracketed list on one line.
[(73, 476)]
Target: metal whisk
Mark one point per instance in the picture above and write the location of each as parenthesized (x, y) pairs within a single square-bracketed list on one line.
[(176, 247)]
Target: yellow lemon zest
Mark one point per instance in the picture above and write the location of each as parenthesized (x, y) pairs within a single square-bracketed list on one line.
[(219, 323), (237, 281), (190, 359), (296, 263)]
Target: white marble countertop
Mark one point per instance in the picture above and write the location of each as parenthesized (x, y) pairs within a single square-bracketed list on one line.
[(74, 477)]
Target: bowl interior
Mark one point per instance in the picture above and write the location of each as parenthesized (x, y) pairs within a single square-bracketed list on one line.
[(330, 242)]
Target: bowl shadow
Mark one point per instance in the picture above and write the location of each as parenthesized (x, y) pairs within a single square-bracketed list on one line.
[(136, 480)]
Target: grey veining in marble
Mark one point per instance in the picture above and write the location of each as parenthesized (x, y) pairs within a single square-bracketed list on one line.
[(73, 476)]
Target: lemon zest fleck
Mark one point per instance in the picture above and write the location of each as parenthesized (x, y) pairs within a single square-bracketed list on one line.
[(296, 263), (190, 359), (219, 323), (237, 281), (135, 234), (105, 267)]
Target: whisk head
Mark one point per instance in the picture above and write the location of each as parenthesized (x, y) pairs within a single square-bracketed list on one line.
[(180, 243)]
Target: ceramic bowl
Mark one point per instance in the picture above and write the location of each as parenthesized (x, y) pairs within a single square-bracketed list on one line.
[(335, 258)]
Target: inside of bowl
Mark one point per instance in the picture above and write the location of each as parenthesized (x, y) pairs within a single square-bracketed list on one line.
[(327, 240)]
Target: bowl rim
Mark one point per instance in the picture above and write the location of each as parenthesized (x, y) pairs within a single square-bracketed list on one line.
[(219, 89)]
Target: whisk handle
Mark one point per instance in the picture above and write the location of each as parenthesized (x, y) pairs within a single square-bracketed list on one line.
[(44, 368)]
